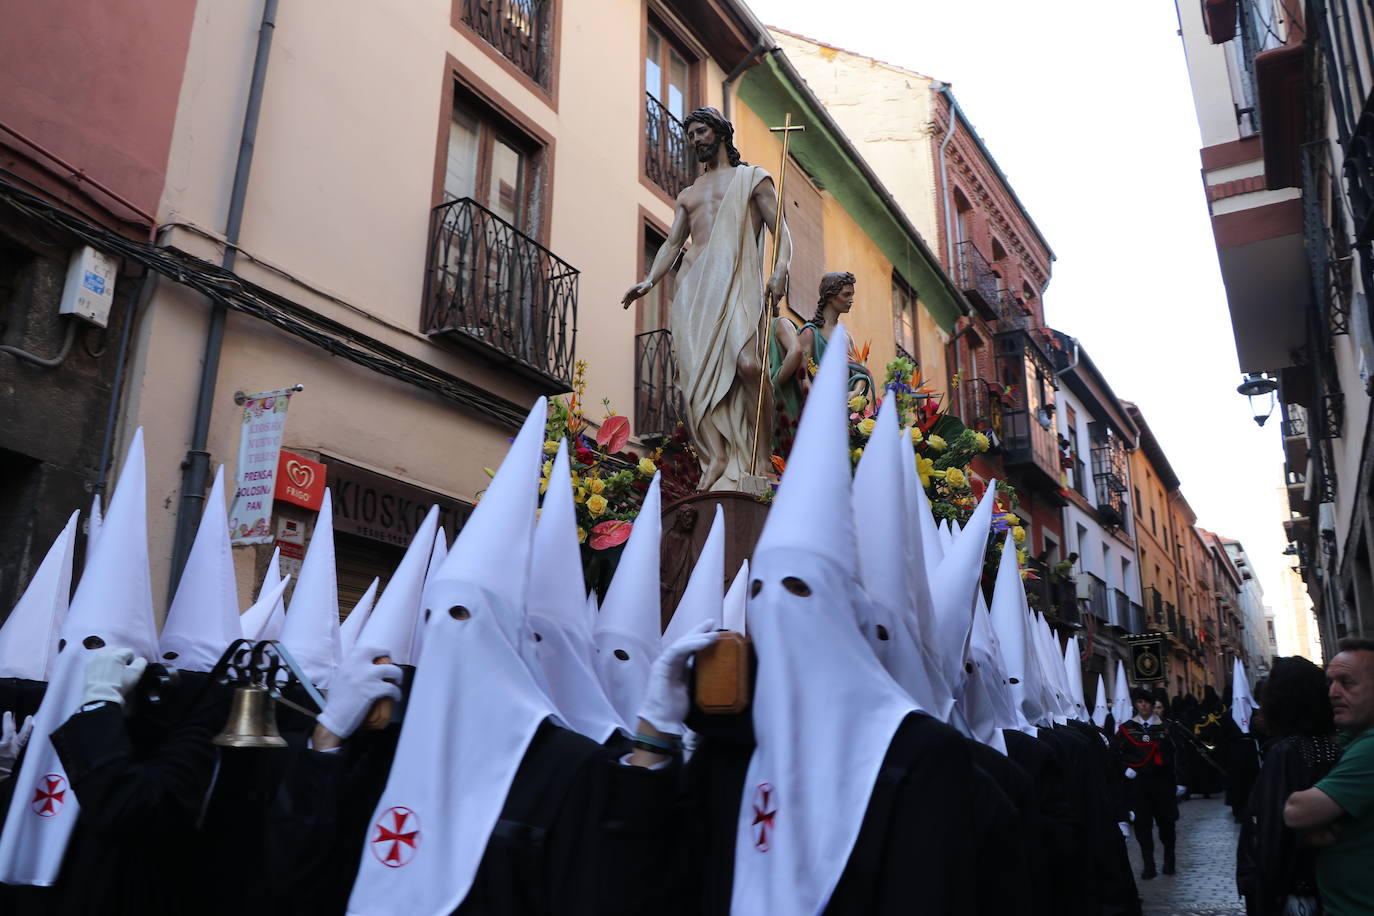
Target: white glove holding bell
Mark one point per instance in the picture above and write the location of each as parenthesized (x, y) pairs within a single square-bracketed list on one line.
[(666, 701), (356, 685), (112, 674), (1130, 773), (12, 741), (1125, 828)]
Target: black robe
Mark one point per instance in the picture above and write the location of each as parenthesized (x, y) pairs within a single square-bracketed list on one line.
[(916, 846), (132, 849), (1050, 824), (580, 833), (1001, 805)]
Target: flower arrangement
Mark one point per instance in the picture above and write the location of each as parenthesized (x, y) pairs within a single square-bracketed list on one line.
[(609, 480)]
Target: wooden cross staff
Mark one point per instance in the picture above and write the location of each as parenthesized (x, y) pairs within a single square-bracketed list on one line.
[(766, 313)]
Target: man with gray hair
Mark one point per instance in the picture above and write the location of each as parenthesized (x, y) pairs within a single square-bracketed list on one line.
[(1337, 814)]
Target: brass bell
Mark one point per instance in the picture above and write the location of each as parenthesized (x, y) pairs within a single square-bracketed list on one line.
[(252, 720)]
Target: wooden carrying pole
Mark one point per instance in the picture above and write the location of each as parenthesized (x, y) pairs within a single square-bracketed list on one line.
[(766, 312)]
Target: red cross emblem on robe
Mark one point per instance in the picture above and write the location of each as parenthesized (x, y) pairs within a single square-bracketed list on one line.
[(764, 811), (397, 838), (49, 795)]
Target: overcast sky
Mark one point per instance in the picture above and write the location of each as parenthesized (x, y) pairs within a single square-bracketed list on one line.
[(1087, 109)]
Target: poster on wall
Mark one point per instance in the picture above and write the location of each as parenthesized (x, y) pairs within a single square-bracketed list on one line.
[(255, 478)]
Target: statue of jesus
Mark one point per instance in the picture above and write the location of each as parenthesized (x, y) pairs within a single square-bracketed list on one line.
[(716, 313)]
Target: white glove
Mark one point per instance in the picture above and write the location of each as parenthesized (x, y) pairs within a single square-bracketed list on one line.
[(112, 674), (12, 742), (665, 701), (1182, 790), (356, 685), (1130, 773), (1125, 828)]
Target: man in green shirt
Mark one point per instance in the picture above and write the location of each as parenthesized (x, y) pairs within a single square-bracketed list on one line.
[(1337, 814)]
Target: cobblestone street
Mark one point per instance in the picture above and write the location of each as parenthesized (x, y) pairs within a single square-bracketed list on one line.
[(1206, 881)]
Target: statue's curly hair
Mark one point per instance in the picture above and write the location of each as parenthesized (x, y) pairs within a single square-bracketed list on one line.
[(831, 284), (724, 130)]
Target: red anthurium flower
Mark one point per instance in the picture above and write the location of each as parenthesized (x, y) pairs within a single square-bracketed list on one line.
[(609, 534)]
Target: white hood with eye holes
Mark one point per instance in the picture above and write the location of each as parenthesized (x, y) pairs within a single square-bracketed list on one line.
[(816, 761), (473, 709), (113, 606)]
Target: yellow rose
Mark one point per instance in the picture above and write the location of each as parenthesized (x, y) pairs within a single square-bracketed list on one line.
[(548, 468), (596, 505), (955, 478), (579, 495), (916, 435), (581, 535), (857, 403), (543, 485), (866, 426), (856, 454), (1018, 533), (550, 447), (647, 467), (925, 468), (1011, 518), (595, 485), (981, 441), (936, 443)]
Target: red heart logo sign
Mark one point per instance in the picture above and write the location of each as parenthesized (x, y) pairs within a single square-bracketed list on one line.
[(301, 475)]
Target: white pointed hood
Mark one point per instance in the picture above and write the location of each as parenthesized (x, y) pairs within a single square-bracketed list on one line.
[(1100, 705), (1011, 623), (395, 619), (703, 599), (1243, 703), (932, 549), (311, 630), (955, 589), (113, 606), (884, 534), (438, 553), (1073, 672), (1121, 695), (28, 640), (93, 524), (1051, 659), (558, 613), (734, 612), (627, 631), (472, 711), (267, 616), (204, 617), (357, 618), (815, 760), (987, 702)]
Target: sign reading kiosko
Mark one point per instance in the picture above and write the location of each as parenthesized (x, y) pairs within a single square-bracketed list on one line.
[(385, 509)]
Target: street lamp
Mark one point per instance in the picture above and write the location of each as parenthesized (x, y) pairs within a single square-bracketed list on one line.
[(1257, 385)]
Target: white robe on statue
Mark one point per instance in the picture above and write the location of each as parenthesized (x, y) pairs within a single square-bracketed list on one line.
[(715, 315)]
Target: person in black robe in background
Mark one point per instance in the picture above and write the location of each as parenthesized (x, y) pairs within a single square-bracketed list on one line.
[(1272, 862), (1047, 815), (1207, 723), (1146, 754), (1111, 889), (1241, 753)]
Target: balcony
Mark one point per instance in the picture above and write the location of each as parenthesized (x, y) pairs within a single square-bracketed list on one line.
[(668, 158), (519, 29), (1030, 443), (1359, 172), (1038, 589), (1012, 311), (495, 290), (1295, 434), (982, 409), (1096, 591), (1154, 607), (1121, 610), (1329, 258), (658, 402), (1138, 624), (1109, 481), (978, 282), (1171, 618)]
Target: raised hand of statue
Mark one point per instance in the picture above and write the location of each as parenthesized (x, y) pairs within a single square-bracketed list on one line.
[(638, 291), (777, 289)]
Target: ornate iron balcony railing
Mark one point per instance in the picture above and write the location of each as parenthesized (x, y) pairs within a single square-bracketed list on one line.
[(519, 29), (668, 158), (982, 410), (658, 402), (977, 279), (1294, 421), (1109, 481), (492, 287)]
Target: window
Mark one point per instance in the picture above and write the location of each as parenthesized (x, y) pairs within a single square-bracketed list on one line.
[(1051, 551), (521, 31), (492, 163), (656, 397), (998, 252), (905, 319), (669, 71), (1125, 575), (1152, 522), (1082, 541), (653, 308), (1138, 510), (963, 222)]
